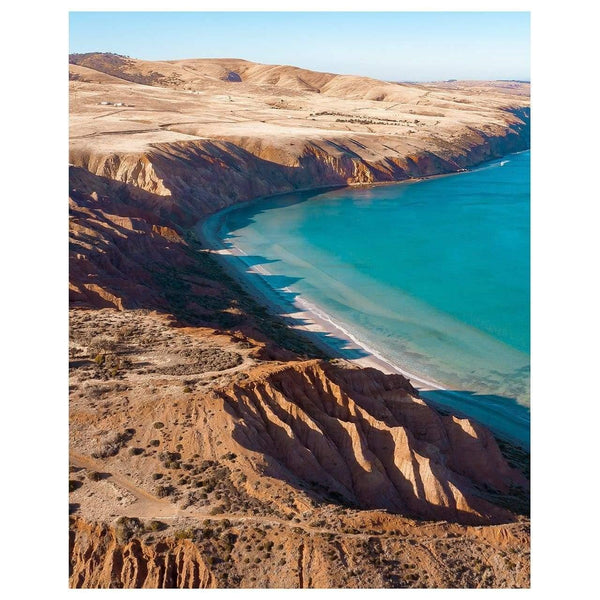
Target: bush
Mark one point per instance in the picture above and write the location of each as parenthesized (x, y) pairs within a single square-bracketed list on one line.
[(158, 425), (154, 443), (155, 526), (162, 491), (156, 476), (94, 476), (136, 451), (126, 528), (111, 444), (169, 456), (184, 534), (74, 485)]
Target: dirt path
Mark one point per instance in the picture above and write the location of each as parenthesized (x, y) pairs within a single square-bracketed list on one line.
[(146, 506)]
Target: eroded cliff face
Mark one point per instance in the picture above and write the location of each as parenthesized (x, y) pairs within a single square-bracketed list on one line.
[(367, 439), (198, 459), (99, 560), (408, 556), (196, 178)]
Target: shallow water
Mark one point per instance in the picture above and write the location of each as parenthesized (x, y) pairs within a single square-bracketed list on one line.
[(434, 275)]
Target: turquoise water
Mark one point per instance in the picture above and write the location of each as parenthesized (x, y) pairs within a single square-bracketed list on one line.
[(433, 275)]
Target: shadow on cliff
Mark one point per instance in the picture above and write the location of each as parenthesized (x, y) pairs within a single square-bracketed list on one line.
[(216, 174), (126, 252), (314, 446), (503, 415)]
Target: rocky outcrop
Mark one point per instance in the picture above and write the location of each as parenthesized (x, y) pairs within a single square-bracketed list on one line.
[(368, 440), (98, 560)]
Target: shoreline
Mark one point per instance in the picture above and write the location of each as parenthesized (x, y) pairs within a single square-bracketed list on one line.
[(308, 319), (314, 323)]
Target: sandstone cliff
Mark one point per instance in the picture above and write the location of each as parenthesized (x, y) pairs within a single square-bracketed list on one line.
[(197, 461), (410, 555), (185, 133), (368, 440)]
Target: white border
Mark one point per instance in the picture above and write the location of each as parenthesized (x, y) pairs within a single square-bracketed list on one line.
[(564, 297)]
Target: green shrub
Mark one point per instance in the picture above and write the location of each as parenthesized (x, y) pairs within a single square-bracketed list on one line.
[(158, 425), (155, 526), (184, 534), (126, 528), (74, 485)]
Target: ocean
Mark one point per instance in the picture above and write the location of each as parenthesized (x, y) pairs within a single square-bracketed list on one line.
[(433, 275)]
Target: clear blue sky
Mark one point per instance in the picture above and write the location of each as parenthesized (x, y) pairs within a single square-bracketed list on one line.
[(393, 46)]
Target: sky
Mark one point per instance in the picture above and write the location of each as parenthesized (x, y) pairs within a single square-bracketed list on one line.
[(394, 46)]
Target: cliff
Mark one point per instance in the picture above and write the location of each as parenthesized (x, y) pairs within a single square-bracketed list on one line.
[(368, 440), (198, 141), (412, 556)]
